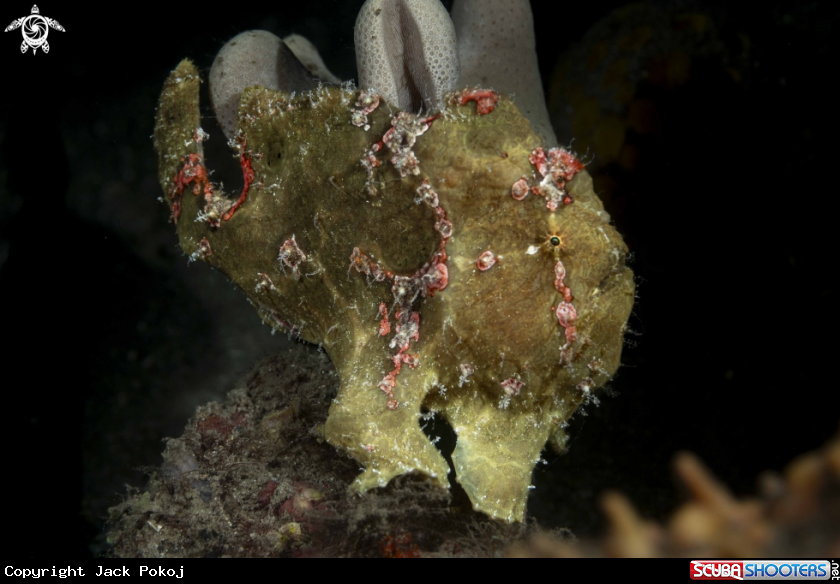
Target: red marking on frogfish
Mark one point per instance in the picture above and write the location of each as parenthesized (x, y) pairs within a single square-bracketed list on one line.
[(512, 386), (537, 158), (389, 382), (437, 278), (192, 173), (204, 247), (559, 277), (556, 168), (485, 99), (384, 324), (247, 173), (366, 266), (519, 190), (432, 277), (566, 316), (486, 261), (564, 164)]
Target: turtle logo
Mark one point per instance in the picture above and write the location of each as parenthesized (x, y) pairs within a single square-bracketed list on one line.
[(34, 28)]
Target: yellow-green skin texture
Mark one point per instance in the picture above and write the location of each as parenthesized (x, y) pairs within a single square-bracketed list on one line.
[(310, 184)]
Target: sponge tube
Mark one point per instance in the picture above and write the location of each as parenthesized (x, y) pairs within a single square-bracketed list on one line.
[(497, 48), (255, 57), (406, 50)]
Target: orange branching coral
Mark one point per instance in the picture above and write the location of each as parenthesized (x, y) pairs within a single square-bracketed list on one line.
[(796, 514)]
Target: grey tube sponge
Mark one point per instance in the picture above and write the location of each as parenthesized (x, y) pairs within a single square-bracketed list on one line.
[(309, 56), (497, 48), (255, 57), (406, 50)]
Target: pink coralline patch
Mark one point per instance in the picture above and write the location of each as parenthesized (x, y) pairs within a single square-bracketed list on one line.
[(378, 273), (520, 189), (360, 261), (538, 159), (405, 290), (369, 162), (277, 322), (367, 102), (486, 261), (556, 168), (384, 324), (466, 370), (410, 359), (563, 164), (291, 256), (216, 424), (217, 207), (512, 386), (586, 385), (437, 278), (367, 266), (426, 194), (400, 139), (443, 225), (193, 172), (264, 282), (566, 316), (559, 277), (596, 366), (434, 276), (204, 247), (199, 135), (407, 329), (485, 99), (414, 318), (389, 382), (304, 500), (387, 385)]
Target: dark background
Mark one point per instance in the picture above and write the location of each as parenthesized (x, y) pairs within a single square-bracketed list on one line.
[(110, 340)]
